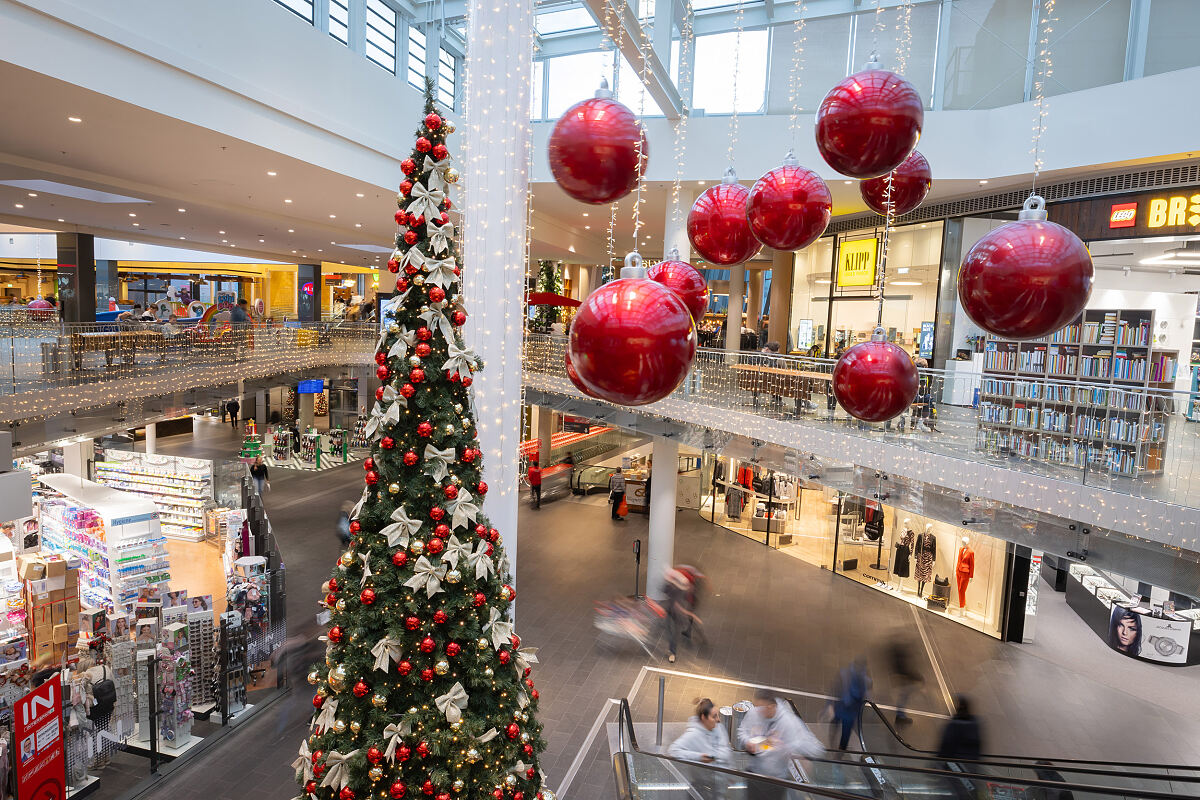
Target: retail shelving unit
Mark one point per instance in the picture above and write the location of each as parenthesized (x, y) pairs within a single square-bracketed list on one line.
[(181, 490), (1097, 414), (120, 546)]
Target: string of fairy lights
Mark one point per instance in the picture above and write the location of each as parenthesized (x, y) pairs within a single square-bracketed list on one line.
[(686, 41), (799, 39), (644, 46), (616, 43), (1046, 20), (739, 22)]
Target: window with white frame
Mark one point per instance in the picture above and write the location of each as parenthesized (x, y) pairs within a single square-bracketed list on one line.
[(381, 34), (339, 20), (301, 8), (715, 84), (447, 77), (416, 58)]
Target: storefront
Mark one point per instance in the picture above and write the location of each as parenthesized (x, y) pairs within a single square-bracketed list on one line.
[(963, 574)]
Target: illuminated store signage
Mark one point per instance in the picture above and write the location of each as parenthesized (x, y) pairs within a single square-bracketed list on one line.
[(1174, 212), (856, 263), (1123, 215), (1130, 216)]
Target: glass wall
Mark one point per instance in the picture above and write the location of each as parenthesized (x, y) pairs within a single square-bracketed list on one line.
[(1173, 36)]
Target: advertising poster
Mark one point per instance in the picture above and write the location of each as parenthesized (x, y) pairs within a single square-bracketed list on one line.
[(926, 343), (1151, 638), (38, 740), (856, 263)]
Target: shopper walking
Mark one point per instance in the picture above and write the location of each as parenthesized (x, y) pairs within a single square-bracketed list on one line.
[(535, 484), (258, 471), (232, 408), (705, 742), (904, 674), (343, 523), (962, 738), (616, 493), (773, 735), (239, 318), (850, 695), (675, 604)]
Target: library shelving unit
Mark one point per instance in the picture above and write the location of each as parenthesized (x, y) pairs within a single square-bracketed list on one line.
[(181, 488), (1080, 397), (115, 534)]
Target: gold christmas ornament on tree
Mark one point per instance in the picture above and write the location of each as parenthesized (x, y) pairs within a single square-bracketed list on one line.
[(394, 488), (452, 175), (375, 773), (453, 576), (510, 780), (441, 667), (347, 559), (484, 644), (473, 756), (416, 546), (341, 605), (378, 700), (458, 785), (488, 672), (314, 677), (356, 726), (339, 726)]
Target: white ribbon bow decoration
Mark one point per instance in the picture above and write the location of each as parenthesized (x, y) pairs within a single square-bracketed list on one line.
[(399, 531), (339, 772), (462, 509), (522, 699), (425, 201), (404, 340), (380, 417), (452, 702), (439, 236), (481, 562), (486, 737), (456, 550), (395, 735), (441, 271), (461, 360), (366, 559), (415, 257), (358, 506), (437, 462), (501, 631), (434, 318), (328, 714), (439, 169), (387, 650), (525, 657), (519, 768), (303, 763), (427, 576)]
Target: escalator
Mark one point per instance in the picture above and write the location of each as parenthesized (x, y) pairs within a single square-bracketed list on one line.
[(854, 776)]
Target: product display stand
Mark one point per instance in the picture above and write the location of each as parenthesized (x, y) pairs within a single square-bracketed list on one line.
[(310, 449), (181, 488), (200, 637), (336, 446), (281, 445), (232, 676), (358, 440), (252, 447)]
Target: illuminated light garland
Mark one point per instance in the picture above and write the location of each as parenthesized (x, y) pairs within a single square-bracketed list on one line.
[(686, 40), (739, 18), (1046, 20), (799, 40)]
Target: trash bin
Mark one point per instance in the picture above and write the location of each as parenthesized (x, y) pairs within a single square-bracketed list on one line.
[(739, 710)]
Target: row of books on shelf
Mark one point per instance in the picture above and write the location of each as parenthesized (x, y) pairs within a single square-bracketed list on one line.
[(1069, 452), (1136, 400), (1114, 429)]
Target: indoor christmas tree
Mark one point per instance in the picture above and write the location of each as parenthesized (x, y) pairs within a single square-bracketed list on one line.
[(425, 690)]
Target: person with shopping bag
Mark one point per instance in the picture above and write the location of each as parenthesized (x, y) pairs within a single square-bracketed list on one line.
[(616, 495)]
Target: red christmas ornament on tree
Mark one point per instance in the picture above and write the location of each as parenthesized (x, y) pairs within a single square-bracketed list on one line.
[(1026, 279), (412, 623), (717, 225), (410, 237), (381, 358), (405, 187), (355, 526), (869, 122), (789, 207), (397, 789), (513, 730), (408, 167), (436, 513), (382, 372), (367, 596), (404, 667), (427, 645), (335, 634), (875, 380), (433, 121), (684, 280), (425, 430), (346, 793), (387, 443), (400, 558), (440, 151), (504, 656), (427, 674), (318, 701), (910, 183), (310, 787), (482, 487), (450, 491), (374, 755), (379, 393), (424, 334), (422, 350), (437, 294), (371, 478), (434, 547), (460, 318), (410, 458), (442, 531), (404, 752), (598, 150), (453, 649), (360, 689), (408, 390), (479, 599), (423, 145), (574, 375), (632, 341)]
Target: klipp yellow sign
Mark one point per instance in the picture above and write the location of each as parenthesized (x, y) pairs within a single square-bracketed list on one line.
[(856, 263)]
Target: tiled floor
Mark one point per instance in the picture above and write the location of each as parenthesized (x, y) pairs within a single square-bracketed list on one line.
[(769, 618)]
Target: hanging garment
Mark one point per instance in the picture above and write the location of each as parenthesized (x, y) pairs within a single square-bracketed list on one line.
[(965, 571), (926, 552), (900, 565)]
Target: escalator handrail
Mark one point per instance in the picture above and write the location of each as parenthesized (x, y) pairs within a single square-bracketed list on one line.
[(1029, 759)]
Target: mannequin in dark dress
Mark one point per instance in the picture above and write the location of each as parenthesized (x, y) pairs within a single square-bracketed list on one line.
[(926, 552), (904, 548)]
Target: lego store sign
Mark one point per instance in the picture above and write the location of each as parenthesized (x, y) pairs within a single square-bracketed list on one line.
[(1129, 216)]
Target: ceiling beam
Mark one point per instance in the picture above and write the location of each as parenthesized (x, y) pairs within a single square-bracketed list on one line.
[(638, 49)]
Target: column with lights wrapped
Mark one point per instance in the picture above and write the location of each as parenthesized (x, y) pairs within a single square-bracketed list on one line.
[(425, 690), (497, 141)]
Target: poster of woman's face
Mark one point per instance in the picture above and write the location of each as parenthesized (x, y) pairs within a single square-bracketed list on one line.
[(202, 602), (1125, 631), (118, 627), (176, 599), (30, 536)]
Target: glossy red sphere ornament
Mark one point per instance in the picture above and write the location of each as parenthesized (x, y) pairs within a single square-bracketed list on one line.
[(869, 122), (513, 730), (482, 487), (598, 150), (382, 372), (360, 689), (440, 151), (789, 207), (404, 667), (433, 121), (318, 701), (371, 478), (400, 558), (381, 358), (397, 789), (428, 645), (310, 787), (632, 341), (408, 167), (717, 225), (1026, 279), (574, 376), (684, 280), (423, 145), (387, 443), (411, 458), (479, 599), (367, 596), (416, 375), (875, 380), (453, 649), (910, 183), (346, 793), (335, 634)]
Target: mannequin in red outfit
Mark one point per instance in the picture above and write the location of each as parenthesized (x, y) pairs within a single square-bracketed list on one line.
[(964, 571)]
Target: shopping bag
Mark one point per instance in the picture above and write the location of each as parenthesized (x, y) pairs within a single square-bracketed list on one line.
[(623, 509)]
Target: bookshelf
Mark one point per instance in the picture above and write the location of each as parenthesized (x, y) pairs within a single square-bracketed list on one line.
[(1098, 413)]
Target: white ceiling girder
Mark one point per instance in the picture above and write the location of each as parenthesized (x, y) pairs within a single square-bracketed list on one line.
[(637, 48)]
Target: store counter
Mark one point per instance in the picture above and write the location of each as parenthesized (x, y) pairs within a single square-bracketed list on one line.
[(1127, 625)]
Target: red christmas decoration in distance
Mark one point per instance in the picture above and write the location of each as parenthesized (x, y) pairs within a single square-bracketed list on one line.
[(355, 526), (379, 393), (428, 645), (789, 207), (433, 122), (435, 546), (404, 667), (424, 430), (466, 382), (404, 752), (460, 318), (381, 358), (598, 150), (686, 281), (875, 380), (401, 216), (374, 755), (424, 334), (451, 491), (717, 225), (416, 375), (427, 674), (410, 237), (382, 372), (911, 181), (397, 789), (412, 623), (453, 649), (408, 390), (405, 187)]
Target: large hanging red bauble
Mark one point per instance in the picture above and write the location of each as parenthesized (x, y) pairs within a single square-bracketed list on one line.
[(1026, 279), (717, 225), (632, 341), (594, 150), (910, 183), (789, 207), (876, 380), (869, 123), (574, 376), (684, 280)]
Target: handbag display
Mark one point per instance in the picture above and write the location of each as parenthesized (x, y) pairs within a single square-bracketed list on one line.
[(940, 597)]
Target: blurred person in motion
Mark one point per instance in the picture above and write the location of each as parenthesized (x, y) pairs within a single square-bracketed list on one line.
[(773, 735), (962, 738), (696, 580), (343, 523), (616, 493), (905, 675), (676, 588), (232, 408), (260, 474), (850, 695), (1045, 772), (705, 741), (535, 484)]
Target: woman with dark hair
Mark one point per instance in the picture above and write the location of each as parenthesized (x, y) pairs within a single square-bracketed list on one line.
[(1125, 631), (704, 740)]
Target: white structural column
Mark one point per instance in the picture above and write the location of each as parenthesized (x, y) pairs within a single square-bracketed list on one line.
[(151, 438), (545, 433), (737, 295), (495, 219), (306, 410), (260, 406), (664, 480)]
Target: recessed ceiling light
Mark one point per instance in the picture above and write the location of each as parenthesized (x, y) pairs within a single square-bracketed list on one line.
[(702, 183), (902, 271), (906, 283), (182, 238), (224, 241), (261, 241), (585, 213), (587, 227), (293, 251), (291, 230), (287, 200), (319, 250), (183, 211), (74, 119), (62, 220), (272, 173), (358, 224), (19, 205), (333, 216), (847, 182), (137, 224), (981, 183), (571, 249), (132, 214), (33, 194), (359, 194)]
